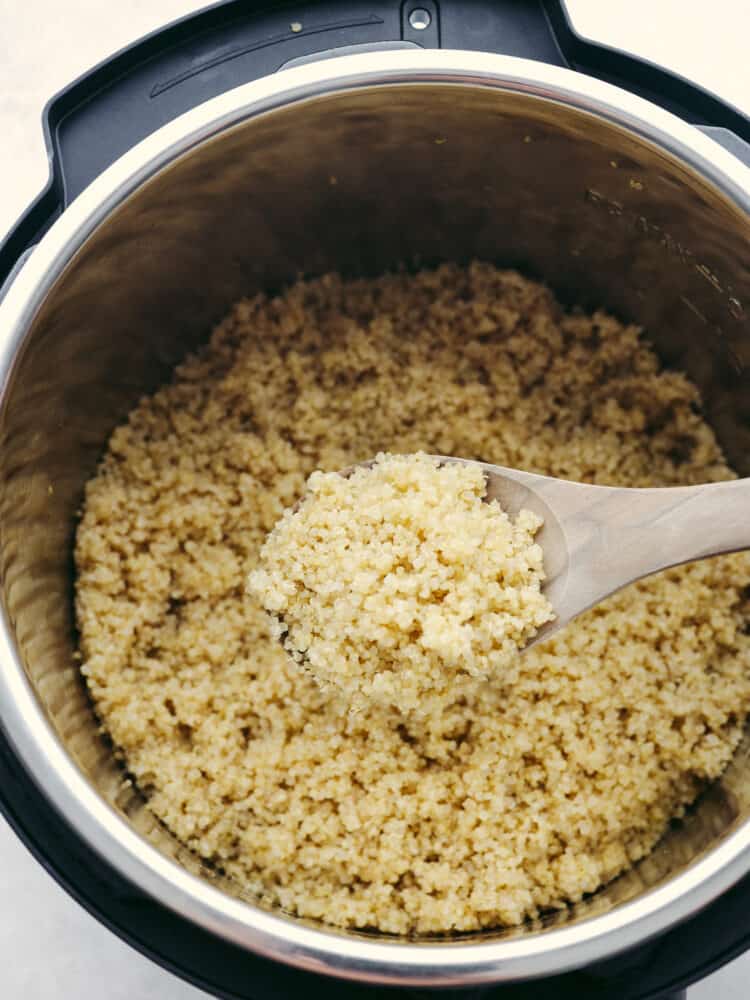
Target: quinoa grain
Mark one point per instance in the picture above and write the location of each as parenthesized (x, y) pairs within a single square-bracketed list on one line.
[(398, 580), (521, 793)]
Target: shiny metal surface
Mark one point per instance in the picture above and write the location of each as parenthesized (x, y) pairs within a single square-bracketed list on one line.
[(598, 539), (420, 19), (358, 163)]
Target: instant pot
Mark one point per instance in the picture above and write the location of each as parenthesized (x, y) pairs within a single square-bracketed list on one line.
[(233, 151)]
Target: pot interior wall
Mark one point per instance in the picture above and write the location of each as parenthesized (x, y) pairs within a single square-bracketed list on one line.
[(358, 182)]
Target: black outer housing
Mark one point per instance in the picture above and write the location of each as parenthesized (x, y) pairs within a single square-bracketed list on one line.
[(86, 128)]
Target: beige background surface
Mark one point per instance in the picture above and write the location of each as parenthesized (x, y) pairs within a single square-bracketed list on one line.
[(50, 949)]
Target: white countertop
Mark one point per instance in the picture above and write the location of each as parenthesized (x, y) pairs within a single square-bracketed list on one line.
[(50, 949)]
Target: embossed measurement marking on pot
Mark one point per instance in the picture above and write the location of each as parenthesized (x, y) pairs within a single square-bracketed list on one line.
[(672, 245)]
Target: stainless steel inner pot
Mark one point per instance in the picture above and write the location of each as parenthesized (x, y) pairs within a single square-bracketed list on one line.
[(357, 164)]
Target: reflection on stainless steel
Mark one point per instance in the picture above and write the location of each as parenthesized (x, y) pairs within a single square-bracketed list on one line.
[(435, 155)]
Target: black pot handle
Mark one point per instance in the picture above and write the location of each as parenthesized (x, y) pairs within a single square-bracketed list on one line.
[(668, 90), (108, 110)]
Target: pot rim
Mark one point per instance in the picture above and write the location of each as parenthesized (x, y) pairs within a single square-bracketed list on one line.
[(272, 935)]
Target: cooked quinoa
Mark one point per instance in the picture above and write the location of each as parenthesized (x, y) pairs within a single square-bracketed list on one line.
[(512, 796), (398, 580)]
